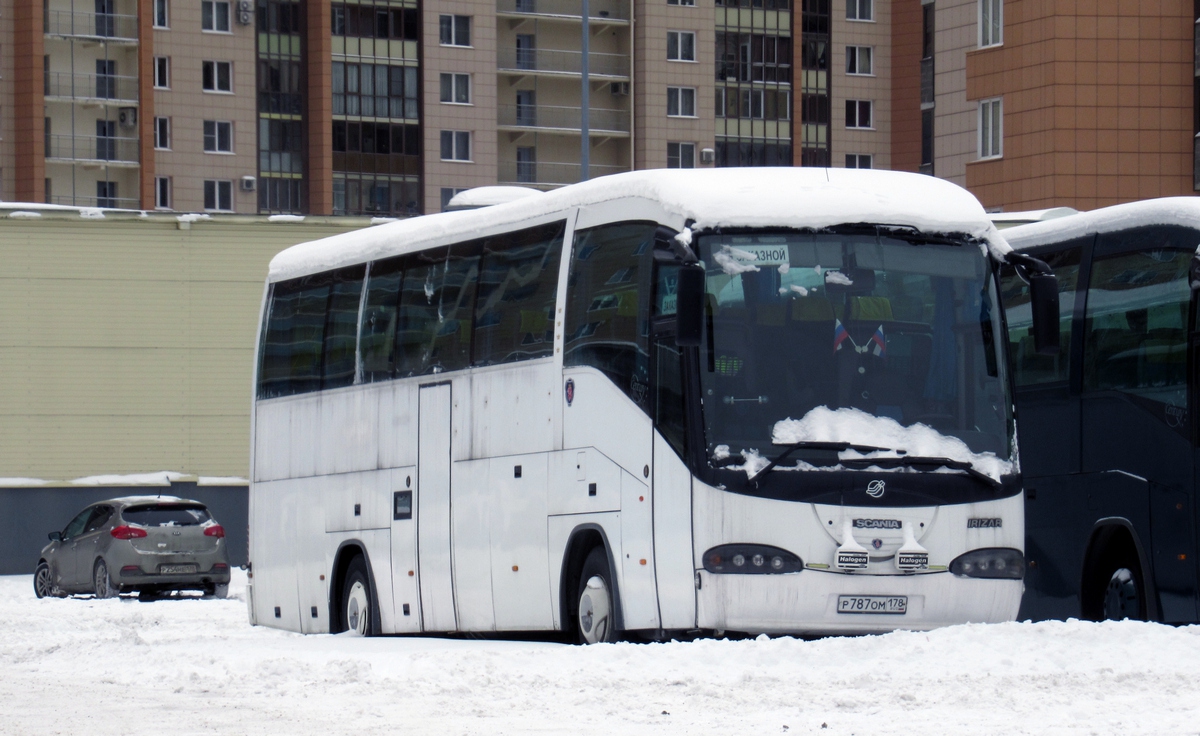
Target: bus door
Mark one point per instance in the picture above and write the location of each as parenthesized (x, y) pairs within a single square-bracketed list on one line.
[(1135, 398), (434, 564)]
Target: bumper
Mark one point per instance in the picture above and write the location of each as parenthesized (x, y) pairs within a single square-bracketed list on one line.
[(806, 602), (137, 579)]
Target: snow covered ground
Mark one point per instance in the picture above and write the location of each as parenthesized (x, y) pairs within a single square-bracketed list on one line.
[(192, 666)]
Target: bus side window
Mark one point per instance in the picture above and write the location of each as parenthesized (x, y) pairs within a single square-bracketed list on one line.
[(668, 394), (607, 322), (377, 337), (1029, 367), (341, 326), (434, 332), (518, 285), (1136, 338), (294, 340)]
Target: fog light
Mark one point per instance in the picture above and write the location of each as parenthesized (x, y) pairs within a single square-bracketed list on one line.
[(750, 559), (996, 562), (757, 560), (777, 562), (739, 560)]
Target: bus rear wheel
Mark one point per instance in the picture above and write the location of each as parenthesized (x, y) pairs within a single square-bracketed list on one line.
[(358, 608), (595, 619), (1123, 596)]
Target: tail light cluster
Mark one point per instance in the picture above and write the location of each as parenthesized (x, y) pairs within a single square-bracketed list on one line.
[(993, 562), (127, 532), (751, 559), (216, 530)]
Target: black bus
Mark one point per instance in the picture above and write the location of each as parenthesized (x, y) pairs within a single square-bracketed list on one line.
[(1108, 426)]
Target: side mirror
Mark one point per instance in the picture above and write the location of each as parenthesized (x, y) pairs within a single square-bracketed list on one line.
[(1043, 292), (689, 306), (55, 536)]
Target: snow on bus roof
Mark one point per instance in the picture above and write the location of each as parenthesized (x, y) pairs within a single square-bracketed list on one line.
[(725, 197), (1162, 211)]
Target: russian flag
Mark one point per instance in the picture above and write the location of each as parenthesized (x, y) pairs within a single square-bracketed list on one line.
[(880, 346), (839, 335)]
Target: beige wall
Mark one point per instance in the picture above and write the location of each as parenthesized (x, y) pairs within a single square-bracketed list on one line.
[(956, 30), (479, 117), (653, 74), (8, 159), (878, 35), (126, 343), (188, 106)]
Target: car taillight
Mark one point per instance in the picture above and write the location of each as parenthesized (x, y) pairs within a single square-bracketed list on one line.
[(127, 532), (220, 567), (216, 530)]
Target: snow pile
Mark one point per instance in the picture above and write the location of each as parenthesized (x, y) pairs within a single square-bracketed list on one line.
[(823, 424), (195, 666), (286, 218), (24, 215), (1183, 211)]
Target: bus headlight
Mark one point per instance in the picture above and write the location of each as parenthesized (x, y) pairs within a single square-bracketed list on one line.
[(751, 559), (995, 562)]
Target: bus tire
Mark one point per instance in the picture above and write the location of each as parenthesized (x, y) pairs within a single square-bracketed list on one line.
[(1124, 593), (595, 618), (359, 608)]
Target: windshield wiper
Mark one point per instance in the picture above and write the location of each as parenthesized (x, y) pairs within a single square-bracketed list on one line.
[(916, 461), (811, 445)]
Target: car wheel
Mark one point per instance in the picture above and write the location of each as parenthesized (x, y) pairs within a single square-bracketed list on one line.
[(220, 590), (43, 582), (358, 601), (1123, 596), (595, 621), (102, 584)]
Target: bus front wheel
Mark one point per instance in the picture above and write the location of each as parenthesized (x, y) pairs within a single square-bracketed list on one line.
[(358, 600), (1123, 596), (595, 620)]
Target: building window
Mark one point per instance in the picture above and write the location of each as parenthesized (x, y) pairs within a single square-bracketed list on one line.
[(218, 76), (751, 104), (858, 114), (375, 90), (681, 155), (448, 194), (162, 134), (218, 136), (214, 15), (692, 3), (455, 30), (527, 164), (860, 9), (681, 102), (991, 22), (681, 46), (456, 88), (162, 192), (456, 145), (162, 72), (858, 60), (858, 161), (754, 57), (162, 17), (991, 128), (368, 21), (218, 195), (106, 194)]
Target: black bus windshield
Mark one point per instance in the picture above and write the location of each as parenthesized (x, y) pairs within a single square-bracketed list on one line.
[(858, 338)]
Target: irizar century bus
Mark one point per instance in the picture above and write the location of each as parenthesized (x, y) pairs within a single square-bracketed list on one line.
[(757, 400), (1108, 423)]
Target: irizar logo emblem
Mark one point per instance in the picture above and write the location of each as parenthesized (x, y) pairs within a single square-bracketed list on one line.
[(875, 488)]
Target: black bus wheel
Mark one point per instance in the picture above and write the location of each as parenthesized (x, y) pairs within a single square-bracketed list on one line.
[(1124, 595)]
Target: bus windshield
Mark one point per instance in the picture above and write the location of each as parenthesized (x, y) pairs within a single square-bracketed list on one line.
[(829, 337)]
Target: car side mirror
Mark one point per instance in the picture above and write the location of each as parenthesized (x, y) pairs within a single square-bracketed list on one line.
[(55, 536), (689, 306)]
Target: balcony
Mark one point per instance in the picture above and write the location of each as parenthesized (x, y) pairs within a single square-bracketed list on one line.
[(96, 88), (550, 61), (602, 11), (124, 203), (91, 25), (92, 151), (564, 119), (550, 174)]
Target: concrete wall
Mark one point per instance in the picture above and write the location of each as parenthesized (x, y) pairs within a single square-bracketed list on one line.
[(29, 514)]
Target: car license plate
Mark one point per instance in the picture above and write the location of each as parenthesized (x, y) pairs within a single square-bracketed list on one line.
[(893, 604), (177, 569)]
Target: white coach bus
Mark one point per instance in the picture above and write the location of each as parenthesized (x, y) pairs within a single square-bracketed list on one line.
[(749, 400)]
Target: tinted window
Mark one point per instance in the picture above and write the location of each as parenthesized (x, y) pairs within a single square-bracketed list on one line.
[(436, 298), (607, 323), (1029, 366), (378, 336), (518, 283), (166, 515), (310, 336), (100, 516), (1136, 328), (668, 408), (75, 527)]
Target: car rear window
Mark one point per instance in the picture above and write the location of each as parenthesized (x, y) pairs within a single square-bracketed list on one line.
[(166, 515)]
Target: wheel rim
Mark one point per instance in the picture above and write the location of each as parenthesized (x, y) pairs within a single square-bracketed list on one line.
[(594, 610), (358, 608), (42, 583), (1122, 599), (102, 589)]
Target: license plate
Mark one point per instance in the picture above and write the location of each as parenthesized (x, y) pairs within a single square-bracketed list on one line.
[(177, 569), (893, 604)]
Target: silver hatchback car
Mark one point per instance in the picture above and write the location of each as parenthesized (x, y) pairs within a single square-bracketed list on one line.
[(147, 544)]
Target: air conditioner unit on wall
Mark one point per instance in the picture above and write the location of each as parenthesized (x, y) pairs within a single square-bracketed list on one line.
[(245, 12), (127, 117), (707, 156), (248, 183), (619, 89)]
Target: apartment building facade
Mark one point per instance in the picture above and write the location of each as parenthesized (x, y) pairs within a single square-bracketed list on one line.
[(390, 107)]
